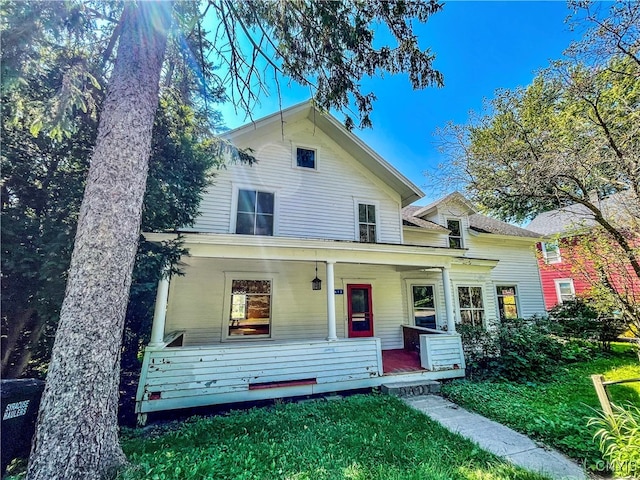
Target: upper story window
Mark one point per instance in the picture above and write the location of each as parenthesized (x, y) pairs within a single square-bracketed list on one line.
[(367, 222), (255, 212), (550, 252), (565, 290), (305, 158), (507, 301), (455, 233)]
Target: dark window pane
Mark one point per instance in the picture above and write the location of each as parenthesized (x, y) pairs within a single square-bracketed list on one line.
[(363, 233), (265, 202), (506, 290), (372, 233), (476, 297), (358, 300), (306, 158), (464, 297), (465, 317), (423, 296), (246, 201), (362, 213), (371, 213), (264, 225), (455, 242), (454, 226), (361, 323), (245, 223)]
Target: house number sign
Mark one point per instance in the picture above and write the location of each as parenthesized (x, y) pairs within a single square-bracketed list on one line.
[(339, 291)]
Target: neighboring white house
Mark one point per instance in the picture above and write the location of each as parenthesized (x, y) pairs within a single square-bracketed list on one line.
[(246, 322)]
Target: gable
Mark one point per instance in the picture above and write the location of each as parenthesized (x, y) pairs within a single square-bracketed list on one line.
[(320, 202), (333, 129)]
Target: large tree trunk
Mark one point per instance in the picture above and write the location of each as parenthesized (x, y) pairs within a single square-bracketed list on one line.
[(77, 430)]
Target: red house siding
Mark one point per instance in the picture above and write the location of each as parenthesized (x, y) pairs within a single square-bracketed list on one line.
[(551, 272)]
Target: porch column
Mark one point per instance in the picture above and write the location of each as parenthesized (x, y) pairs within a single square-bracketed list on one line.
[(331, 303), (160, 312), (448, 300)]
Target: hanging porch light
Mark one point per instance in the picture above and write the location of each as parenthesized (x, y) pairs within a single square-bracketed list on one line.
[(316, 283)]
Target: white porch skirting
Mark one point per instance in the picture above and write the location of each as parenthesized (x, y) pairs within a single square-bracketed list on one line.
[(184, 377)]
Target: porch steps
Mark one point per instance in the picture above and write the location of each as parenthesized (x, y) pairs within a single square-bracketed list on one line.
[(410, 389)]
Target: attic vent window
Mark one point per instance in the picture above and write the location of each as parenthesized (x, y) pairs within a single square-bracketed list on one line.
[(305, 158), (455, 233)]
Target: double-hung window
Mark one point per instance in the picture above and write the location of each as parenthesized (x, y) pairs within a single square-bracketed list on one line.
[(455, 233), (565, 290), (507, 301), (471, 306), (551, 252), (255, 213), (367, 222)]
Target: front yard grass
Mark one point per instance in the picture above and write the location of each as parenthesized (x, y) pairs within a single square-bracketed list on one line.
[(359, 437), (555, 410)]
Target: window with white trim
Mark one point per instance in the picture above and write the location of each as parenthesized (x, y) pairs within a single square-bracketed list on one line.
[(507, 301), (250, 313), (471, 306), (565, 290), (424, 306), (306, 158), (367, 223), (255, 212), (550, 252), (455, 233)]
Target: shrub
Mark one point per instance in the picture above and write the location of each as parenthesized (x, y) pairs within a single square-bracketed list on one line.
[(480, 349), (528, 349), (619, 439), (520, 350), (579, 319)]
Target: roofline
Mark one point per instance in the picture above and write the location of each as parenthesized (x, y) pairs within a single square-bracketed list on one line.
[(409, 192), (423, 229), (476, 233), (470, 206), (263, 121)]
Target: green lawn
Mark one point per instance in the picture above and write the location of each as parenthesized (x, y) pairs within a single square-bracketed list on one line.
[(554, 410), (359, 437)]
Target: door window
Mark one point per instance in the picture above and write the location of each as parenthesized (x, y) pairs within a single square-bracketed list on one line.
[(360, 311)]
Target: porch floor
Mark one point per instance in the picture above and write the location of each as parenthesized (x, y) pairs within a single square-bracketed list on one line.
[(400, 361)]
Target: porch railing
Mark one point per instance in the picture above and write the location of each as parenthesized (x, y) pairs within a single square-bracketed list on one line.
[(438, 350), (184, 377)]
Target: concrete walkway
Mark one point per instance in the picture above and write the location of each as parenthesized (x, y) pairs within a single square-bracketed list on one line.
[(496, 438)]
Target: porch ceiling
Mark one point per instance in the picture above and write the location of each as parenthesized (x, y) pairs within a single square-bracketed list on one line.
[(302, 249)]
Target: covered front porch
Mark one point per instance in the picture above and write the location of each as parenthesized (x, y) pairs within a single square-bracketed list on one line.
[(176, 377), (206, 348)]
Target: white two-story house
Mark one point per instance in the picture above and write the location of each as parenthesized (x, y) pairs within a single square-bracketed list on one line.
[(310, 272)]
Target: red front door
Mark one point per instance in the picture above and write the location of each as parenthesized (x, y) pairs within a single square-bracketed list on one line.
[(360, 310)]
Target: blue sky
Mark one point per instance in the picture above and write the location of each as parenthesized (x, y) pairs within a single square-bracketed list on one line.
[(480, 46)]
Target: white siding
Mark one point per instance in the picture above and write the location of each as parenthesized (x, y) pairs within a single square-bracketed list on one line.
[(425, 238), (309, 203), (441, 352), (197, 299), (195, 376), (518, 266)]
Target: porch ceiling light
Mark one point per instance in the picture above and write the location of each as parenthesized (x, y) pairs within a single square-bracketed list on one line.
[(316, 283)]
